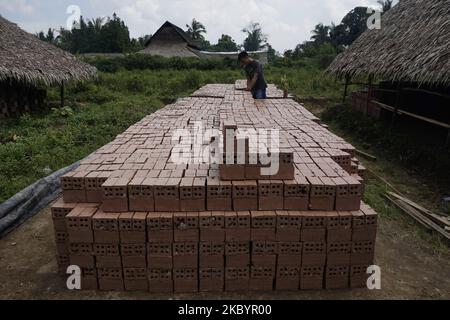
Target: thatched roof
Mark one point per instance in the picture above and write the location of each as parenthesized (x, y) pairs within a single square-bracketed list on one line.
[(26, 59), (412, 45), (190, 42)]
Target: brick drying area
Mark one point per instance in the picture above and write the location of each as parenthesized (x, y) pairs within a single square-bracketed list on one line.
[(132, 219)]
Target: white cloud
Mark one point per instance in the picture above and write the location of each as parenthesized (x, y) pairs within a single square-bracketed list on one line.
[(16, 6)]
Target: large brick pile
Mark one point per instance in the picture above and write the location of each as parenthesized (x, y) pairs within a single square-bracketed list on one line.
[(132, 219)]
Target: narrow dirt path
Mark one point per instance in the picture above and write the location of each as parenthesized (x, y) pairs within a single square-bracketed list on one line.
[(411, 269)]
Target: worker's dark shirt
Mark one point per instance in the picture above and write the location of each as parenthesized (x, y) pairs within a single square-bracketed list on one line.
[(255, 67)]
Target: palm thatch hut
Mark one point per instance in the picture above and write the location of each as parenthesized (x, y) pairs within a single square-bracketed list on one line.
[(27, 65), (407, 63), (171, 41)]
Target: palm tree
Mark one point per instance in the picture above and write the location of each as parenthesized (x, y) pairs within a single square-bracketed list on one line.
[(97, 23), (321, 33), (385, 4), (196, 30), (256, 39)]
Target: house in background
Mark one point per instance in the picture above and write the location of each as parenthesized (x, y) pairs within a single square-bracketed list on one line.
[(29, 65), (171, 41)]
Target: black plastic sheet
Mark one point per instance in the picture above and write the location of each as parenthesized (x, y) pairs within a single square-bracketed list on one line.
[(31, 200)]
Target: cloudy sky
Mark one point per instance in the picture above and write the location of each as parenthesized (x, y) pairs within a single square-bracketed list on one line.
[(287, 22)]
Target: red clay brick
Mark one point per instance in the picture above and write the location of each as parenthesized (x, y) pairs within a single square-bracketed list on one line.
[(115, 194), (287, 278), (311, 277), (290, 254), (262, 278), (167, 196), (314, 254), (263, 225), (212, 226), (160, 227), (211, 279), (237, 226), (296, 194), (159, 255), (185, 280), (79, 224), (337, 277), (160, 280), (323, 192), (106, 227), (132, 227), (211, 254), (141, 194), (245, 195), (135, 279), (270, 195), (186, 227), (219, 195), (133, 255), (185, 255), (288, 225), (237, 254), (237, 278)]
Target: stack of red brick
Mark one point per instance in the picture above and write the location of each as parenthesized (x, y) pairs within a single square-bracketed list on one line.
[(134, 220), (215, 251)]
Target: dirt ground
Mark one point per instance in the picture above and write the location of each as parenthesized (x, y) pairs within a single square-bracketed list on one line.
[(411, 269)]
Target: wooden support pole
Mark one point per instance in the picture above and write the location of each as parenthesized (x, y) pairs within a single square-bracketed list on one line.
[(369, 93), (347, 80), (396, 107), (62, 94)]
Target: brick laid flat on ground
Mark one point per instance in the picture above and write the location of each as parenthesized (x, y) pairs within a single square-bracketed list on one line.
[(135, 220)]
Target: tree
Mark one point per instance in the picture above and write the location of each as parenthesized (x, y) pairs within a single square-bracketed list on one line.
[(114, 36), (49, 37), (256, 39), (100, 35), (321, 34), (196, 30), (352, 26), (272, 54), (225, 44), (144, 39), (386, 5)]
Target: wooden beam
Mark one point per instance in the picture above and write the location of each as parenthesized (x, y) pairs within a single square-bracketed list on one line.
[(366, 155), (413, 213), (400, 112), (396, 107), (442, 95), (385, 90), (369, 94), (347, 80), (435, 217)]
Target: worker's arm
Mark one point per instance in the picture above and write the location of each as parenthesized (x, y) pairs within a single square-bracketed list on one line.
[(252, 82)]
